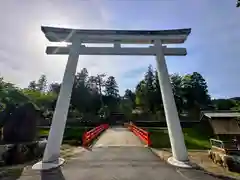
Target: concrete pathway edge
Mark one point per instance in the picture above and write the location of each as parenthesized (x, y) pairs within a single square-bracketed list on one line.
[(169, 159)]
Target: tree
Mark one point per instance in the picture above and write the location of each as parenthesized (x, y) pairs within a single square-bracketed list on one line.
[(128, 100), (141, 95), (81, 98), (149, 81), (100, 83), (104, 112), (42, 83), (96, 84), (111, 98), (42, 100), (148, 95), (201, 88), (176, 81), (130, 96), (195, 90), (126, 107), (157, 100), (111, 87), (54, 88), (225, 104), (195, 94), (190, 92), (10, 95), (32, 85), (82, 77), (1, 82), (4, 84), (85, 100)]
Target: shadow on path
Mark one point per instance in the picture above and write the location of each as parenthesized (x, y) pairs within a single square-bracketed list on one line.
[(53, 174), (199, 172), (11, 173)]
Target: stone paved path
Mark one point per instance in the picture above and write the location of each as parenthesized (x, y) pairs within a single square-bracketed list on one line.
[(113, 158)]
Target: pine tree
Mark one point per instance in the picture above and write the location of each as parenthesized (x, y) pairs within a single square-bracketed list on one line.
[(42, 83), (32, 85), (149, 81), (111, 87)]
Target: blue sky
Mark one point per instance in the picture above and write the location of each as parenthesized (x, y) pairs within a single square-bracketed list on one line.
[(213, 46)]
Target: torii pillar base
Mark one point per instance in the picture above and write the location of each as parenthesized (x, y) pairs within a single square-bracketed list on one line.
[(48, 165), (181, 164)]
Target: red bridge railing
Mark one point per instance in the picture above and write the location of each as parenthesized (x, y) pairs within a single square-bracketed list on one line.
[(89, 136), (142, 134)]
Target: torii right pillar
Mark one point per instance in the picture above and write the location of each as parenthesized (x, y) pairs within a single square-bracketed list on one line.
[(179, 152)]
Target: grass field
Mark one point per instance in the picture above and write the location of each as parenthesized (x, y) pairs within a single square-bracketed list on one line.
[(194, 139), (72, 135)]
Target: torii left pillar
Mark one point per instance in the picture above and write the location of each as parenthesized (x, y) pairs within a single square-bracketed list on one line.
[(51, 157)]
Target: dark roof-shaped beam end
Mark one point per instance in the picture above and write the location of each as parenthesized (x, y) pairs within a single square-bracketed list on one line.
[(172, 36)]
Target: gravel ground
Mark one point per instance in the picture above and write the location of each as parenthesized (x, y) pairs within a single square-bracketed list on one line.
[(200, 157)]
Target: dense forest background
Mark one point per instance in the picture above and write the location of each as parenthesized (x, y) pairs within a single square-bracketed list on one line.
[(99, 96)]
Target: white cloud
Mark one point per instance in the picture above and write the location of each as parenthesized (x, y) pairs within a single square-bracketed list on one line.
[(22, 44), (22, 49)]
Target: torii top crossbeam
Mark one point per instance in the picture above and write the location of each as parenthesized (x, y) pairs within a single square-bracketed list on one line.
[(116, 37), (174, 36)]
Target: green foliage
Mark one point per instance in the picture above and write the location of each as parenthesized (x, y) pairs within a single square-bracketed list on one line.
[(74, 133), (42, 100), (32, 85), (111, 94), (178, 91), (69, 133), (148, 94), (195, 90), (159, 139), (126, 107), (141, 95), (111, 87), (91, 94), (42, 83), (10, 95), (130, 96), (54, 88), (87, 95), (190, 93), (227, 104), (194, 139), (104, 112)]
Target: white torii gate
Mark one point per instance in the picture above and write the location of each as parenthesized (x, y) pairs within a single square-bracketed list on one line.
[(77, 38)]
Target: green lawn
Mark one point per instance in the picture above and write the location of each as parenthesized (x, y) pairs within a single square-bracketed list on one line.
[(71, 135), (43, 131), (194, 139)]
